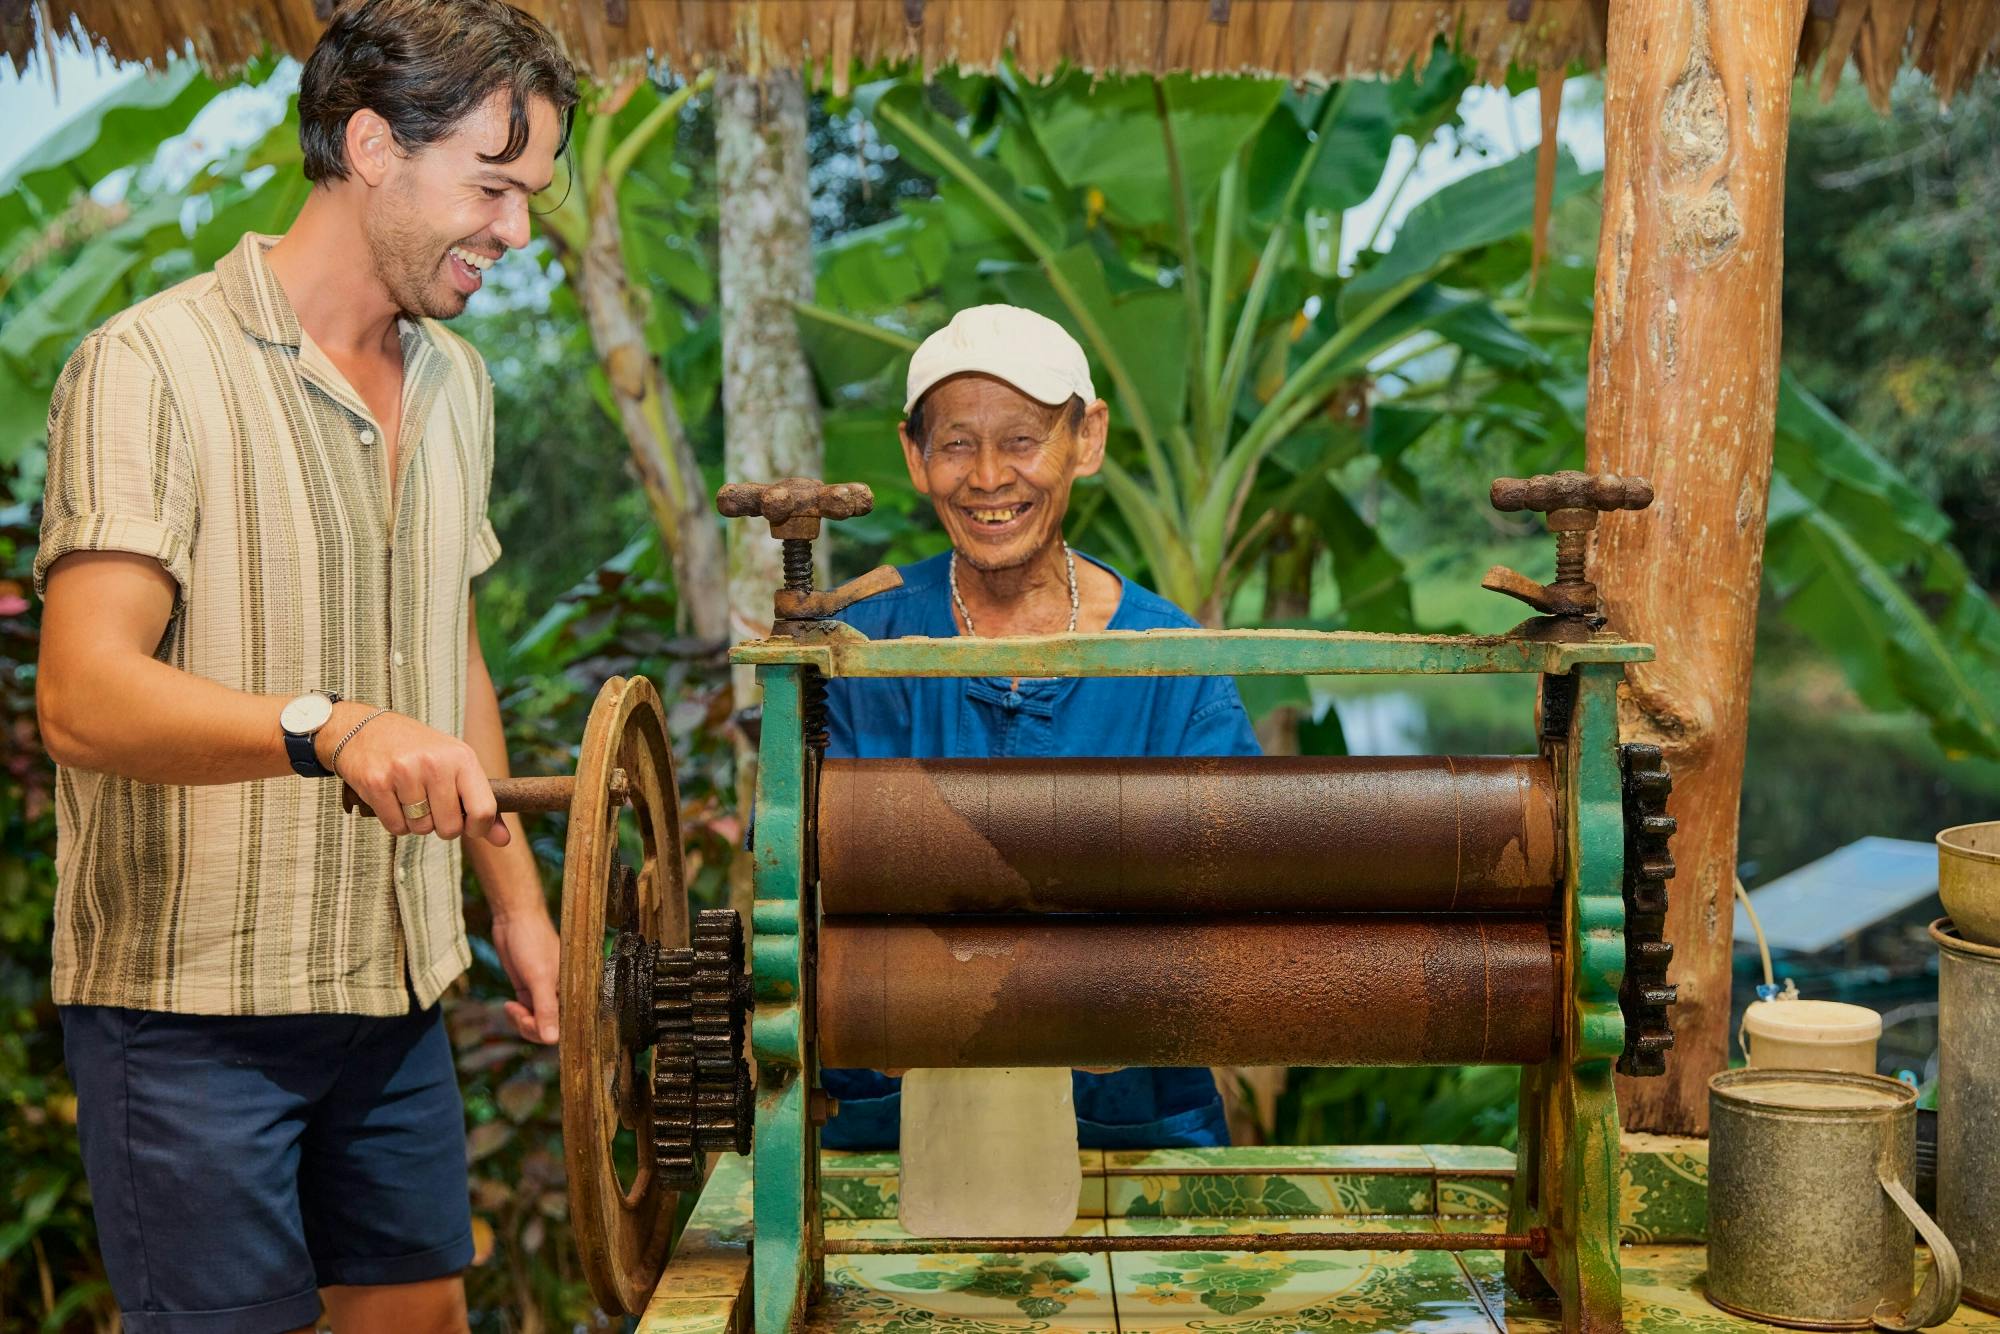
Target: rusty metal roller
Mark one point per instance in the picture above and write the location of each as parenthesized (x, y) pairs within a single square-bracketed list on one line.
[(1268, 834), (1261, 989)]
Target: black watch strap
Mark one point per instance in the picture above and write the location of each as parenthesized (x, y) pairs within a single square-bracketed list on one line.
[(305, 759), (299, 748)]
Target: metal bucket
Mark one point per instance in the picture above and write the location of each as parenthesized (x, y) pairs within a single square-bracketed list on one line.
[(1969, 879), (1969, 1107), (1809, 1209)]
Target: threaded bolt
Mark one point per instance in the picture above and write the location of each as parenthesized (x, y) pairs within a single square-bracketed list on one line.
[(1571, 549), (798, 558)]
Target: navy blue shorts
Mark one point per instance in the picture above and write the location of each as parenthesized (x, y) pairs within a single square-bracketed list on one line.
[(238, 1164)]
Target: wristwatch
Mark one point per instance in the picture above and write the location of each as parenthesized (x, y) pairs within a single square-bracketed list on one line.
[(302, 719)]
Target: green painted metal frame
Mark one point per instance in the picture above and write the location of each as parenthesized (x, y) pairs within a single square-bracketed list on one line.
[(841, 651), (786, 1262), (1568, 1178)]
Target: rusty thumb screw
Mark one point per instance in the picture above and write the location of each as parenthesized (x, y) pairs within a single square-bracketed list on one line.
[(794, 507), (1571, 501)]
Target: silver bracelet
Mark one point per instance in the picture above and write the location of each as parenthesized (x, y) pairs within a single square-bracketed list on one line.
[(334, 758)]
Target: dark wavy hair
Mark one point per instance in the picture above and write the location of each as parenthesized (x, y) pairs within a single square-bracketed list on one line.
[(423, 66)]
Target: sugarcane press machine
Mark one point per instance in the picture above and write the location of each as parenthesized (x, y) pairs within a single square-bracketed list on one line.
[(1280, 910)]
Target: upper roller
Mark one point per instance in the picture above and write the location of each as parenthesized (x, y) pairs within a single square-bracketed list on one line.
[(1270, 834)]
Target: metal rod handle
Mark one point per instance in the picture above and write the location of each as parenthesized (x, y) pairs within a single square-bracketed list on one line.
[(521, 796), (1535, 1241)]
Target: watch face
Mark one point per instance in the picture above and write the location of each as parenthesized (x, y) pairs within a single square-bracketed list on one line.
[(307, 713)]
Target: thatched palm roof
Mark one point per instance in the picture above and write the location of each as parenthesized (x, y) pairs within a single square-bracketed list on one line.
[(1951, 40)]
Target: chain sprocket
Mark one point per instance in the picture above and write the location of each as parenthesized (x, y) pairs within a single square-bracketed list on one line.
[(702, 1099), (1646, 993)]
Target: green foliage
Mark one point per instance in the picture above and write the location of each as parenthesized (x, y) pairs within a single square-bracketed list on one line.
[(1892, 287), (1862, 563), (1443, 1105), (121, 129), (49, 1270), (562, 497), (72, 262)]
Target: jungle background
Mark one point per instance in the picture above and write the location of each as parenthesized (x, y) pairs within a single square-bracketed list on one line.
[(1318, 353)]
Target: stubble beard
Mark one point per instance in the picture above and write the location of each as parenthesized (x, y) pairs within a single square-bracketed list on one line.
[(405, 254)]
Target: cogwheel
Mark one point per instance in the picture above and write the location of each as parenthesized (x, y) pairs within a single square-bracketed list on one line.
[(701, 1078), (1646, 993)]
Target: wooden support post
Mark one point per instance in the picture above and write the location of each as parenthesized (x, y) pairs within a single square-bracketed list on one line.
[(1684, 379)]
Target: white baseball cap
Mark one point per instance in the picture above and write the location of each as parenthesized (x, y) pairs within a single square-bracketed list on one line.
[(1029, 351)]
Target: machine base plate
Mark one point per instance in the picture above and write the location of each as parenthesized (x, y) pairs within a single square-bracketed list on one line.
[(1215, 1192)]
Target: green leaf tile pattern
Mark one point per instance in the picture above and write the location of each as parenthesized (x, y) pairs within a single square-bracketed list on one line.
[(868, 1185), (963, 1294), (1274, 1158), (1476, 1197), (1215, 1193), (1224, 1292), (1663, 1192), (859, 1196), (1211, 1194), (1663, 1187), (858, 1163)]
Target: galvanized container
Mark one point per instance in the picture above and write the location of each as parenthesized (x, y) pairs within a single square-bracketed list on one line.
[(1969, 879), (1809, 1210), (1968, 1150)]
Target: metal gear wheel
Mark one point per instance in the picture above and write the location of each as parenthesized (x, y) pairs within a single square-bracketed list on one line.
[(702, 1099), (1646, 993)]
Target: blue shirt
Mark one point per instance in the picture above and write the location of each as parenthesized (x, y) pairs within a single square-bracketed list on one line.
[(935, 717), (980, 717)]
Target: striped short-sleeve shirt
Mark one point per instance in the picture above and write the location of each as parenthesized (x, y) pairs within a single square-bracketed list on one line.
[(204, 429)]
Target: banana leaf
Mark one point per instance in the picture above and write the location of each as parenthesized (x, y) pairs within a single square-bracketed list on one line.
[(1862, 563)]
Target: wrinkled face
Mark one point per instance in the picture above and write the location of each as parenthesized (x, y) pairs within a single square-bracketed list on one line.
[(998, 466), (441, 216)]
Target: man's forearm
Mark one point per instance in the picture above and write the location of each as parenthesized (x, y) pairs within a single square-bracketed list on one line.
[(137, 717), (508, 875)]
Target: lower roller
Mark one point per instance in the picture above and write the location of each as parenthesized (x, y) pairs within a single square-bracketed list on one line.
[(1261, 989)]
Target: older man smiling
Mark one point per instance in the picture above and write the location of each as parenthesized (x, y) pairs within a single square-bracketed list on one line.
[(1001, 421)]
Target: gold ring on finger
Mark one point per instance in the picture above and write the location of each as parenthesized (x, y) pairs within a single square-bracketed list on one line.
[(416, 810)]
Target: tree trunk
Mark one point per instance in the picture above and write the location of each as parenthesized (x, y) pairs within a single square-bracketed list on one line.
[(770, 407), (660, 449), (1684, 376)]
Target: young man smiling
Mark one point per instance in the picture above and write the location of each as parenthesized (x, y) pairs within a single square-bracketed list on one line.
[(1001, 421), (266, 497)]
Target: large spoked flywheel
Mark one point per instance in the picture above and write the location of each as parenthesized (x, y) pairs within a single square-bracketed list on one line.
[(654, 1007)]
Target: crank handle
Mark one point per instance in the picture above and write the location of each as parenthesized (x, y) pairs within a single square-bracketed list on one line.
[(520, 796)]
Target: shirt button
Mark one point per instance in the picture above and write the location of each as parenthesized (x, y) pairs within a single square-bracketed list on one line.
[(397, 657), (367, 436)]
